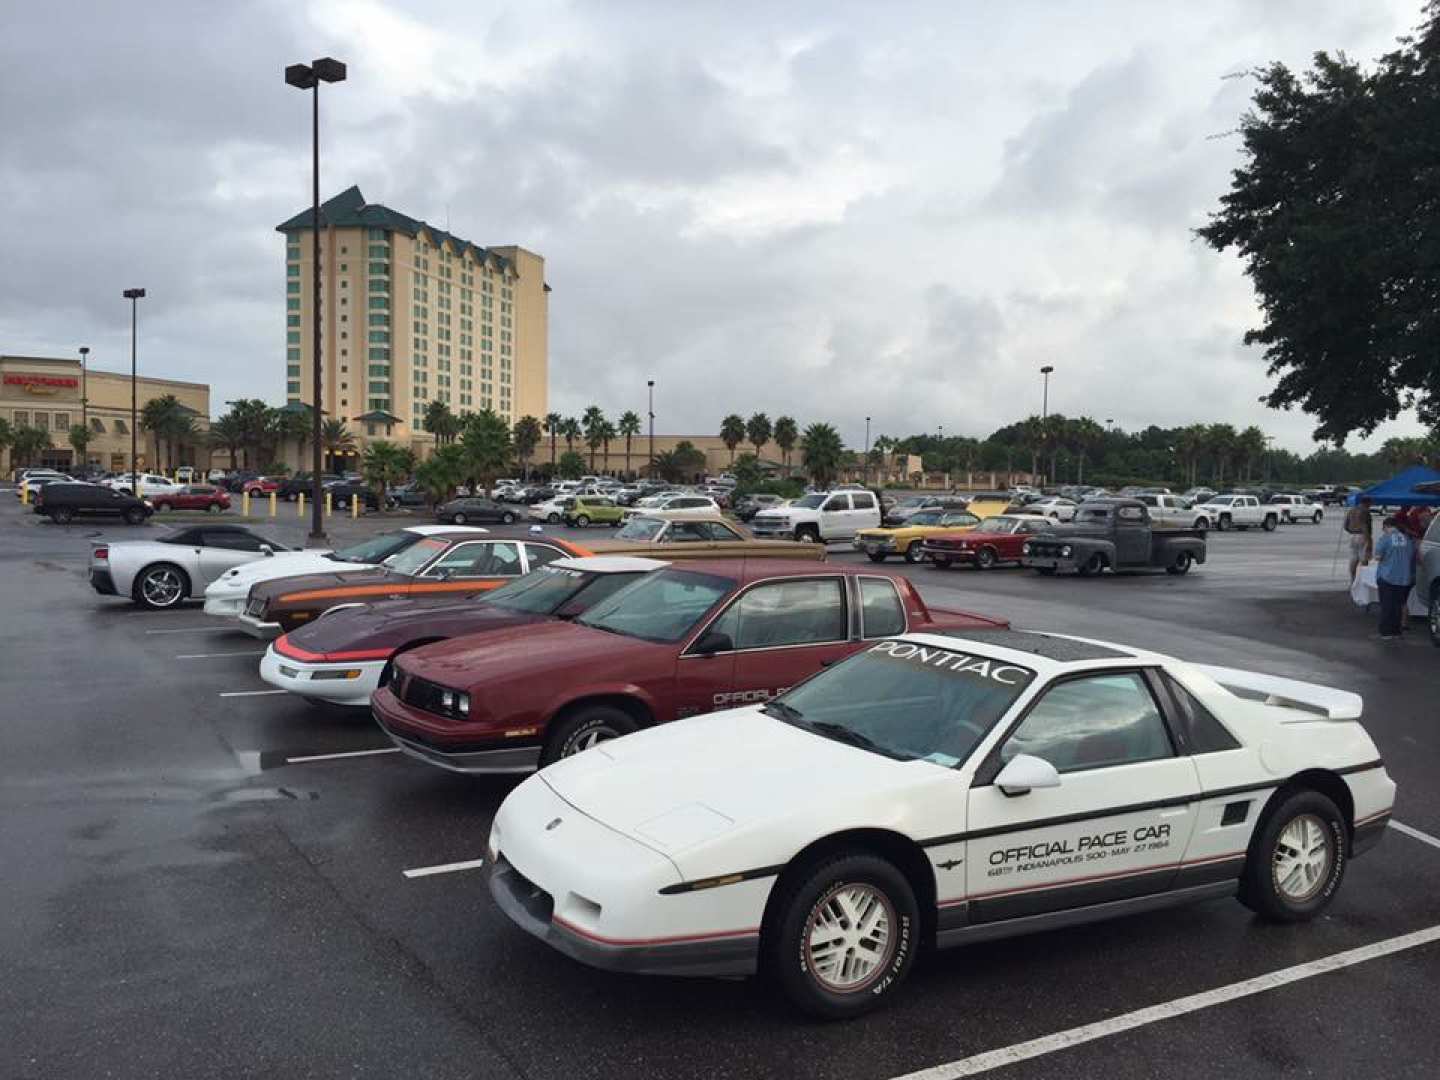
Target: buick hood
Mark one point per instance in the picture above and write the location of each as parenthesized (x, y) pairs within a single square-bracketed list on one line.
[(682, 784), (547, 651)]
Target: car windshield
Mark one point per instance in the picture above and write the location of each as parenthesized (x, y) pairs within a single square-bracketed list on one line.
[(906, 701), (997, 525), (415, 556), (809, 502), (663, 606), (1223, 500), (640, 529), (377, 549), (915, 500), (542, 591), (925, 517)]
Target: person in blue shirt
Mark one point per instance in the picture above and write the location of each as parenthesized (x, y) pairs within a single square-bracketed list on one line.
[(1394, 575)]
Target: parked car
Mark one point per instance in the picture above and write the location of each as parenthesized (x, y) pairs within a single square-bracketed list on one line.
[(1053, 507), (1113, 534), (1294, 508), (149, 484), (822, 517), (343, 492), (1239, 512), (408, 495), (291, 488), (747, 506), (235, 481), (344, 657), (907, 540), (216, 476), (680, 641), (912, 504), (551, 510), (64, 501), (994, 541), (1175, 512), (441, 567), (679, 500), (829, 836), (262, 485), (475, 508), (593, 510), (161, 573), (686, 535), (193, 497), (32, 483), (225, 598)]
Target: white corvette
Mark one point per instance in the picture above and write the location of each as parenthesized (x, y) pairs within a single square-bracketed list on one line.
[(161, 573), (225, 596), (939, 789)]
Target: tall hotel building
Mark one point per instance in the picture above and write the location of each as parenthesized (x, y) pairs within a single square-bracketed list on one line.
[(412, 315)]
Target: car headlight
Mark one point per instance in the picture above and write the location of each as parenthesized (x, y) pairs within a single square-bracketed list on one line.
[(1025, 549), (1065, 551)]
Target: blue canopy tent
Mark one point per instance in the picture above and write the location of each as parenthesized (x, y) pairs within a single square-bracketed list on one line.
[(1399, 490)]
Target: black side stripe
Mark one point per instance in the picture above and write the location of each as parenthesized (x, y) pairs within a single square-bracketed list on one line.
[(1066, 819), (723, 879)]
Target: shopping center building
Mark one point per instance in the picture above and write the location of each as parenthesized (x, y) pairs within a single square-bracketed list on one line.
[(46, 392)]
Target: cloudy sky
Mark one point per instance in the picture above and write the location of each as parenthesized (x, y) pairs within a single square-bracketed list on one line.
[(827, 209)]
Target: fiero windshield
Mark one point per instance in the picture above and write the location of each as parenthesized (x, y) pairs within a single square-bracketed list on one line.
[(375, 550), (906, 701), (659, 607), (546, 590)]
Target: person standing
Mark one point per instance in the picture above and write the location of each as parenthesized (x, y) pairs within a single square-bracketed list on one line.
[(1358, 525), (1394, 576)]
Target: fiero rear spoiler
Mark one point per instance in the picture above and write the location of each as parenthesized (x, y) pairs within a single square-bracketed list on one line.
[(1289, 693)]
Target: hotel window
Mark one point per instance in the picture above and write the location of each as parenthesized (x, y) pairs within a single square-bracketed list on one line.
[(292, 303), (292, 354), (379, 387), (377, 234), (344, 367), (292, 251), (379, 251), (292, 337), (345, 285), (97, 426), (378, 285), (293, 370), (379, 337), (120, 428), (380, 403), (380, 353), (42, 421), (344, 250), (381, 370), (292, 270), (379, 268), (344, 268), (380, 320), (292, 320), (344, 403), (380, 302), (344, 318), (344, 386), (292, 388), (292, 286)]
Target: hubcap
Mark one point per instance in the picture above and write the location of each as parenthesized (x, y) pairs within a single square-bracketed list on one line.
[(590, 738), (1302, 858), (161, 587), (849, 938)]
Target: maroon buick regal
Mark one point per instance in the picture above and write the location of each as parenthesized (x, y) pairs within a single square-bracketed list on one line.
[(345, 654)]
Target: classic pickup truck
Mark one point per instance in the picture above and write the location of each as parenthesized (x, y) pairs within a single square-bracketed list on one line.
[(1113, 533)]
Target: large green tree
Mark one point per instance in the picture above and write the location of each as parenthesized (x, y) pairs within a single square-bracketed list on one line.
[(336, 438), (821, 452), (28, 441), (758, 432), (486, 439), (526, 437), (732, 433), (786, 433), (442, 472), (629, 426), (552, 428), (1335, 210), (440, 422), (385, 465)]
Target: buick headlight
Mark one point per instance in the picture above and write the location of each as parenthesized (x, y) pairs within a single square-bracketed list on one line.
[(462, 704), (1025, 550), (1065, 551)]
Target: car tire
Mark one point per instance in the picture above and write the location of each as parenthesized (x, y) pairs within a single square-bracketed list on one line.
[(290, 497), (876, 557), (553, 519), (1269, 523), (160, 586), (582, 729), (507, 518), (582, 521), (836, 984), (807, 534), (343, 502), (985, 559), (163, 506), (1319, 516), (1202, 525), (1181, 566), (457, 519), (214, 508), (1093, 566), (913, 554), (1045, 571), (940, 561), (135, 516), (62, 515), (1224, 523), (1297, 858), (1434, 619)]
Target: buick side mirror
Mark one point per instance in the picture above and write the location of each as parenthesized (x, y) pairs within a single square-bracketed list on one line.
[(1025, 772), (713, 642)]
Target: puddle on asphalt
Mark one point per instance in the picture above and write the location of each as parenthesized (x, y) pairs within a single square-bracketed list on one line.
[(249, 794)]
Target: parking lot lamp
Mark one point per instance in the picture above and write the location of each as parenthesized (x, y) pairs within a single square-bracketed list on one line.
[(651, 386), (309, 77), (134, 296), (867, 451), (84, 400)]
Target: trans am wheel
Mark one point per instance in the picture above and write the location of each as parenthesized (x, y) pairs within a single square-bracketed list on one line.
[(843, 935), (1270, 523), (913, 554), (1181, 565), (161, 586), (877, 556), (1297, 860), (584, 728), (985, 558)]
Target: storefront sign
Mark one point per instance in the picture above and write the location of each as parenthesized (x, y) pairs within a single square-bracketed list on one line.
[(41, 384)]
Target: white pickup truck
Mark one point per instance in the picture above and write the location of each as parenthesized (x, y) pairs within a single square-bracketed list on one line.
[(1239, 512), (1295, 508), (822, 518), (1176, 512)]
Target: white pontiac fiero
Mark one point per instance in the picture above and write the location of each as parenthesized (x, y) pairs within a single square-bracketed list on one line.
[(945, 789)]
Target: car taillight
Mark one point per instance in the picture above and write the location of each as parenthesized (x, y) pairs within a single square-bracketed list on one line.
[(101, 553)]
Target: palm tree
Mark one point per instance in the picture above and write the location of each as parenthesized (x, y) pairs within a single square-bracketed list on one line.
[(180, 432), (785, 432), (590, 422), (253, 417), (1250, 448), (7, 435), (1220, 441), (293, 424), (732, 433), (337, 439), (1189, 444), (27, 442), (157, 416), (226, 432), (552, 428), (442, 472), (822, 451), (1032, 434), (629, 427), (570, 431), (526, 438), (758, 432), (384, 465), (607, 432), (439, 421), (486, 440), (1085, 437)]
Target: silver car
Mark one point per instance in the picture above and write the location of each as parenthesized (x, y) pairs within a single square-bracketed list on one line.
[(159, 574), (1427, 576)]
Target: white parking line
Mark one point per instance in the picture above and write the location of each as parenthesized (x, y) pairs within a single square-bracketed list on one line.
[(215, 655), (1424, 838), (347, 753), (194, 630), (252, 693), (445, 868), (1063, 1040)]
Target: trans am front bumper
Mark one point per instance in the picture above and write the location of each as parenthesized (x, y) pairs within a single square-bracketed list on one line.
[(594, 894), (349, 682)]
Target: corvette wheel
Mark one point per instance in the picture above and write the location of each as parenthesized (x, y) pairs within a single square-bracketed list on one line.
[(1181, 565), (843, 935), (583, 729), (985, 558), (913, 554), (161, 587), (1297, 861)]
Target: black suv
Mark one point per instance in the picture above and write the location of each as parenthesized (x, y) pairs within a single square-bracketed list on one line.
[(64, 502), (474, 508), (344, 491), (292, 486)]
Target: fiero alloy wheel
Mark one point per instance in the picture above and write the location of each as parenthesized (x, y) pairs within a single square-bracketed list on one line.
[(582, 729), (842, 934), (1297, 858), (161, 586), (985, 558)]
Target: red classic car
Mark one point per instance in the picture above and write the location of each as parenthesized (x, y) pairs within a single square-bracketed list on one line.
[(708, 635), (195, 497), (262, 485), (993, 541)]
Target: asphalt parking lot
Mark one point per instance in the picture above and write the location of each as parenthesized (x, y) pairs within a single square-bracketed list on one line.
[(205, 877)]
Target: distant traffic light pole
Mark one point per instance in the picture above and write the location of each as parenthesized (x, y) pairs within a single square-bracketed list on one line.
[(309, 77), (134, 296)]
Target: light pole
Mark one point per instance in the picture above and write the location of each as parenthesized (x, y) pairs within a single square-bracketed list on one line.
[(1045, 403), (650, 385), (309, 77), (134, 296), (84, 400), (867, 451)]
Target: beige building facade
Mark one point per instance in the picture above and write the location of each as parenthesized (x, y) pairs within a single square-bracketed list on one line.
[(46, 392), (412, 314)]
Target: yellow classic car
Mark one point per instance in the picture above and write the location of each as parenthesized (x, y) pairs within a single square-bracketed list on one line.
[(905, 540)]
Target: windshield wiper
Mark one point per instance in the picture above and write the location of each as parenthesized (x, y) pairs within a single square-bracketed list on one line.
[(782, 711), (841, 733)]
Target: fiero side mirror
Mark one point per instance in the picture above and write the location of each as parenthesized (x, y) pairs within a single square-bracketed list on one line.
[(1024, 772), (714, 641), (267, 549)]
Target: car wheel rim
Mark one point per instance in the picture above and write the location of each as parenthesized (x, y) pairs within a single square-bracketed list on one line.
[(1302, 860), (1435, 619), (849, 941), (161, 587), (589, 737)]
